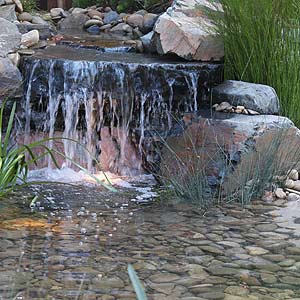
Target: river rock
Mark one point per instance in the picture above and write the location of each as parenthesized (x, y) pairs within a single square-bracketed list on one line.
[(45, 30), (56, 12), (122, 28), (294, 174), (135, 20), (8, 12), (10, 78), (185, 31), (30, 38), (94, 29), (10, 37), (25, 16), (258, 97), (293, 197), (280, 193), (78, 10), (148, 22), (92, 13), (74, 21), (147, 41), (38, 20), (110, 17), (92, 22)]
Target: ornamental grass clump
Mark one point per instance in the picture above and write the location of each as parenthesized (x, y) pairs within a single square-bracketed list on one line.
[(201, 169), (262, 45)]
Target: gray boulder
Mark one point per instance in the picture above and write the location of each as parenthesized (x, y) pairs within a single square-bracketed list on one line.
[(10, 37), (149, 22), (147, 41), (251, 144), (8, 12), (258, 97), (75, 21), (10, 78), (122, 28), (110, 17)]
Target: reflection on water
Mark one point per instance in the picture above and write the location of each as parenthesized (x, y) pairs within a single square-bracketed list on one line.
[(289, 216), (78, 242)]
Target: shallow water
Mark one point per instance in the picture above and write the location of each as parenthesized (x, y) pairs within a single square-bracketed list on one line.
[(78, 241)]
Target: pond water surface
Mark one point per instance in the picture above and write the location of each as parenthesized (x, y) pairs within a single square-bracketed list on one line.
[(78, 246)]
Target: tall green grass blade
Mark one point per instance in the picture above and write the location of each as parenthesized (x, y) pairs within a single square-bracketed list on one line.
[(9, 128), (137, 285)]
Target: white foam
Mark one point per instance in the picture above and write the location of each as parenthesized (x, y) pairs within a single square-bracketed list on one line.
[(67, 175)]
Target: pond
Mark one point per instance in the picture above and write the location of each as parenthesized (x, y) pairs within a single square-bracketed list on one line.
[(79, 240)]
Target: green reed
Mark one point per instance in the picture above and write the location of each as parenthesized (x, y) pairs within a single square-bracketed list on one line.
[(262, 45)]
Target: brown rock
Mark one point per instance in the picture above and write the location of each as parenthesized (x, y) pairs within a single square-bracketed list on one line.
[(185, 31), (135, 20)]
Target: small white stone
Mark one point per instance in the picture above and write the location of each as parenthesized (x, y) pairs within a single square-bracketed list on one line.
[(294, 175), (293, 197), (252, 112), (30, 38), (280, 193), (289, 184), (222, 106)]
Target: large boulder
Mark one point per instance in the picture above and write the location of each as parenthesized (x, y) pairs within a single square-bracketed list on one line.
[(8, 12), (242, 145), (10, 37), (10, 78), (258, 97), (74, 21), (184, 30)]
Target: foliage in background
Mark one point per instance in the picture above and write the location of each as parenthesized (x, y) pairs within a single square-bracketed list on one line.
[(29, 5), (262, 45), (185, 167)]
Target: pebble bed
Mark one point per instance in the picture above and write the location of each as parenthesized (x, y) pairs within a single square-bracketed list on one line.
[(80, 248)]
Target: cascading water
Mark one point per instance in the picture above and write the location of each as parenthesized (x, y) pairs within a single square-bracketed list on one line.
[(109, 101)]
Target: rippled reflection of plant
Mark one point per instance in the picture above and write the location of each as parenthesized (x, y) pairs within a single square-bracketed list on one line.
[(15, 160)]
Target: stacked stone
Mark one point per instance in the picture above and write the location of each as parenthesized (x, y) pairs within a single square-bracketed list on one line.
[(291, 189), (96, 20), (240, 109), (13, 43)]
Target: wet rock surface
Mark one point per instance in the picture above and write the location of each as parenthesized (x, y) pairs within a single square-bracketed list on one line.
[(83, 248)]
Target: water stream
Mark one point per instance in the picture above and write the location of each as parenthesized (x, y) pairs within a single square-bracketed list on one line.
[(79, 92)]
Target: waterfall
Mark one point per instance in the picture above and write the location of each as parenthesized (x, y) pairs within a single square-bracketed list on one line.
[(127, 99)]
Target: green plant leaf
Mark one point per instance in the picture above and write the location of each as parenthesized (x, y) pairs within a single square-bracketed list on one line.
[(137, 285)]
